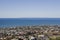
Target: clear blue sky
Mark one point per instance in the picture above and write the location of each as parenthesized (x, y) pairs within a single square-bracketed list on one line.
[(29, 8)]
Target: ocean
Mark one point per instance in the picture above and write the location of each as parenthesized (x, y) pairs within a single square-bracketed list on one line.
[(9, 22)]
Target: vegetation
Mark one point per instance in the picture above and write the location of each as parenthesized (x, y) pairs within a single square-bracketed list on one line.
[(57, 38)]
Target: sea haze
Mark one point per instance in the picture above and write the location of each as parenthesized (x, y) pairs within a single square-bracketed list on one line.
[(7, 22)]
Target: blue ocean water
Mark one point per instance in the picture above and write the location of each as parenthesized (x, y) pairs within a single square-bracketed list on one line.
[(27, 21)]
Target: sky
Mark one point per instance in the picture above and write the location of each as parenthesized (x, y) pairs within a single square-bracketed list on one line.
[(29, 8)]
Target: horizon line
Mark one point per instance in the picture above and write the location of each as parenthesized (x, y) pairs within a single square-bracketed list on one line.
[(38, 17)]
